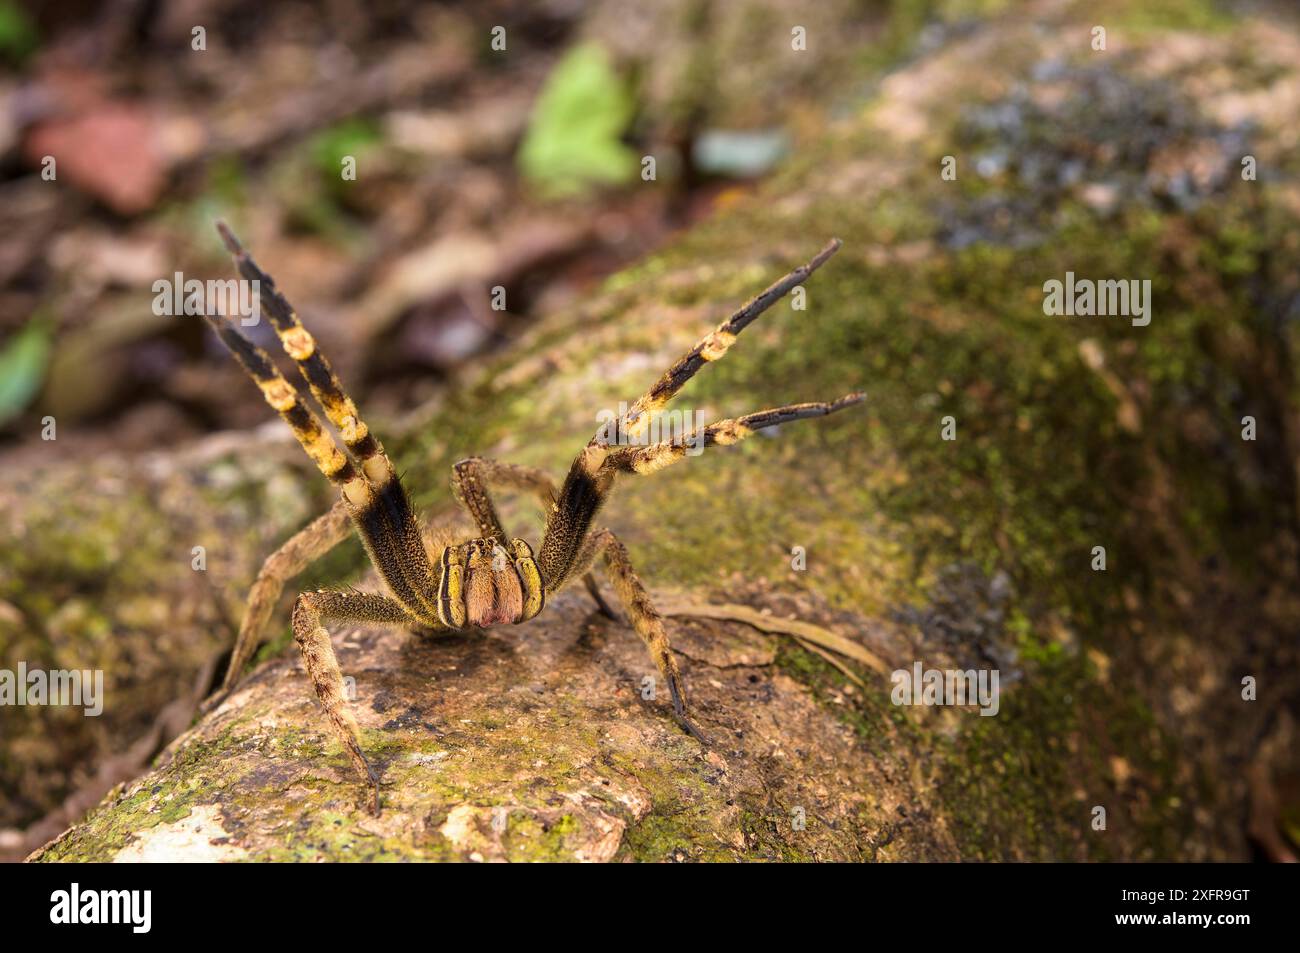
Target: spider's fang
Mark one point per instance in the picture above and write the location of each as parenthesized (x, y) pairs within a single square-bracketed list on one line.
[(531, 578), (451, 591)]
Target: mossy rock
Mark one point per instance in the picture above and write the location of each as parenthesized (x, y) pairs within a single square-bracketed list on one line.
[(1120, 688)]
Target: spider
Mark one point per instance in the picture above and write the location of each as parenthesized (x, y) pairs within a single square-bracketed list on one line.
[(472, 584)]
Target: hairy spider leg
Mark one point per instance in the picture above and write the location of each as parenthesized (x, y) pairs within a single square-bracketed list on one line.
[(284, 399), (310, 613), (566, 547), (589, 480), (297, 553), (651, 459), (299, 344), (371, 493), (646, 620), (380, 507), (715, 344)]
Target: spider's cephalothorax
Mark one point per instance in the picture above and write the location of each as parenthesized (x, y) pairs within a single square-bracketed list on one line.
[(490, 580), (483, 584)]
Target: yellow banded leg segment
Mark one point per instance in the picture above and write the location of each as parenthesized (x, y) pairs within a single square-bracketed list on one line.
[(283, 398), (724, 433), (379, 507), (301, 346), (320, 446), (339, 407), (714, 346)]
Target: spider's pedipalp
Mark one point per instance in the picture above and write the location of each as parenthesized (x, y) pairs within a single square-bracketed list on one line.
[(530, 576), (714, 345), (469, 482), (723, 433)]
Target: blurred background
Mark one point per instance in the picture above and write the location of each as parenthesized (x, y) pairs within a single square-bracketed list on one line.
[(476, 167), (515, 158)]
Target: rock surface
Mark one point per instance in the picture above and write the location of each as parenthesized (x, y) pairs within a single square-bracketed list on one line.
[(1121, 688), (527, 743)]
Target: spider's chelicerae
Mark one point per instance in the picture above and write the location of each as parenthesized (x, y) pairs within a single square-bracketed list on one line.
[(465, 583)]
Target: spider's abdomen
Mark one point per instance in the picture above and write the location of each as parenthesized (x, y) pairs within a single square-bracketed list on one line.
[(483, 584)]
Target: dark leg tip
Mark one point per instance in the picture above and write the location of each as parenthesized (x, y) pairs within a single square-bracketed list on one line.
[(228, 238), (374, 790), (688, 727), (679, 713), (604, 607)]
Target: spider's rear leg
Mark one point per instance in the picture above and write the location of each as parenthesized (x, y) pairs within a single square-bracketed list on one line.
[(300, 551), (647, 621), (310, 613), (470, 478)]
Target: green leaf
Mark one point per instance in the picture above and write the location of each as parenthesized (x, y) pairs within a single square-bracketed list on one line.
[(22, 367), (351, 137), (573, 139), (18, 36)]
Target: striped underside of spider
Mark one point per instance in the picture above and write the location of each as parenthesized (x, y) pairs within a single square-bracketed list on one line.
[(467, 583)]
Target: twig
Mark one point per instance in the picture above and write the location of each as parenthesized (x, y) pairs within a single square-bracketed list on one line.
[(768, 623)]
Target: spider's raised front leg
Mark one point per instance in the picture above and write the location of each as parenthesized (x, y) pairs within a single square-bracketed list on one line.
[(470, 478), (710, 348), (647, 621), (656, 456), (310, 614), (371, 494), (379, 506), (301, 550), (618, 447)]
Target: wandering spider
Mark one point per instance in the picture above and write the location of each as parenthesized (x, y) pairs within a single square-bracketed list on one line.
[(468, 583)]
